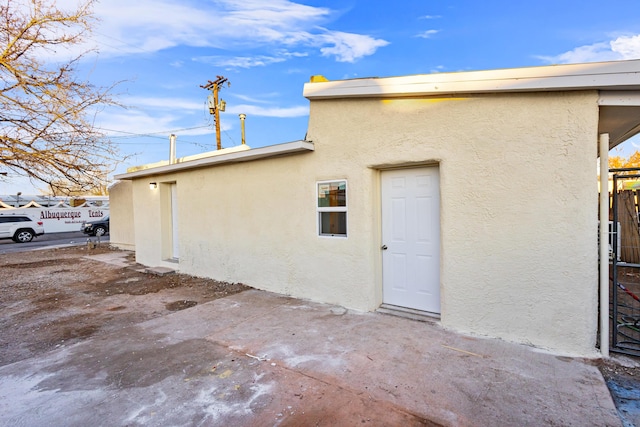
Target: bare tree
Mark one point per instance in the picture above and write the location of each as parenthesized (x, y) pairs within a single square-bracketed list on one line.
[(46, 112), (99, 186)]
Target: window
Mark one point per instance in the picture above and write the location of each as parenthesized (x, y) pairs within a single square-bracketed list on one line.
[(4, 219), (332, 208)]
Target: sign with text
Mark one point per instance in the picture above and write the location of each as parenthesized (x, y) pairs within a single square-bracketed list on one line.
[(58, 220)]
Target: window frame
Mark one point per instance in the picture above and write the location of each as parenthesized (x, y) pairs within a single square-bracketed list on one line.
[(320, 210)]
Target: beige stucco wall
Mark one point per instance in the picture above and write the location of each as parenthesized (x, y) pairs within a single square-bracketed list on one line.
[(255, 223), (121, 231), (518, 212)]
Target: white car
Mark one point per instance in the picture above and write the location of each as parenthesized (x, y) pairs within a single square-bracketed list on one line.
[(20, 228)]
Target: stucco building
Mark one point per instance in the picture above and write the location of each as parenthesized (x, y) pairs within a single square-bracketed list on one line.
[(471, 197)]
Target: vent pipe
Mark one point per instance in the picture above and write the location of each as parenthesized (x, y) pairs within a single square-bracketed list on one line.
[(172, 149), (242, 117)]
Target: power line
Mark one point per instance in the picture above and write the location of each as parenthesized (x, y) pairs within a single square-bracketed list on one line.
[(164, 132), (229, 136), (122, 42), (152, 135)]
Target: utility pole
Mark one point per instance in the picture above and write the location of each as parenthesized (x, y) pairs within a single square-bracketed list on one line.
[(214, 106)]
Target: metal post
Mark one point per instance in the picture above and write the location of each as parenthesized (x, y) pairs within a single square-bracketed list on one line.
[(614, 263), (172, 149), (604, 239), (242, 117)]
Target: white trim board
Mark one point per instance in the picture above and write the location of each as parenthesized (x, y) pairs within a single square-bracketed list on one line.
[(235, 157), (617, 75)]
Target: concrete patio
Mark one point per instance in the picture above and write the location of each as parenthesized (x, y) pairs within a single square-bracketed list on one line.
[(260, 359)]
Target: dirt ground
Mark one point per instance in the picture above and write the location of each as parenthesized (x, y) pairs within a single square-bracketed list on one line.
[(51, 298), (56, 298)]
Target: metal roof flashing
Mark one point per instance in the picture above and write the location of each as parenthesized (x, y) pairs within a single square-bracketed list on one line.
[(615, 75), (270, 151)]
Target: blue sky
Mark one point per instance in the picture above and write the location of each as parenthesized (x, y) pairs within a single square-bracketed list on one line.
[(163, 50)]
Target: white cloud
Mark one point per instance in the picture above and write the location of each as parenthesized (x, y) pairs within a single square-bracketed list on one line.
[(135, 124), (160, 116), (255, 110), (146, 26), (248, 61), (255, 100), (277, 17), (621, 48), (348, 47), (200, 130), (131, 123), (427, 34), (431, 17), (170, 104), (295, 71), (627, 46), (239, 61)]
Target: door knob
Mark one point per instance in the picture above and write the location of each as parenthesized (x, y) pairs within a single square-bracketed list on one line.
[(384, 247)]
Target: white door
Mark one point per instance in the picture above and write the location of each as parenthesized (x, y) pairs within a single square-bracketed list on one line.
[(175, 252), (411, 238)]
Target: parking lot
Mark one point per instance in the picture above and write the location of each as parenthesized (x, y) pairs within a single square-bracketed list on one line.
[(50, 240)]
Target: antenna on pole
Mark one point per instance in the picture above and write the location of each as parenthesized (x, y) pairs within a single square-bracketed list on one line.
[(214, 106)]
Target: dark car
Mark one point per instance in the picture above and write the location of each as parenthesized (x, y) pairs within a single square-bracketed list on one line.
[(97, 227)]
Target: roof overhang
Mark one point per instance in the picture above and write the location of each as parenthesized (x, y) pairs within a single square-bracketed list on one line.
[(619, 115), (619, 75), (288, 148), (618, 84)]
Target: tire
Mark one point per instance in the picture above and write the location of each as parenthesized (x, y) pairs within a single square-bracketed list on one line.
[(23, 236), (99, 231)]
